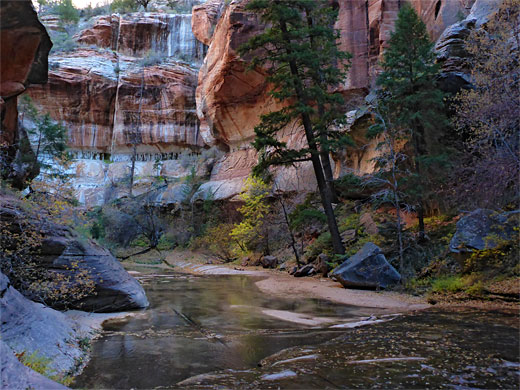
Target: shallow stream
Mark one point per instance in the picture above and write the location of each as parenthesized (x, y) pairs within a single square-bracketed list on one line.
[(222, 332)]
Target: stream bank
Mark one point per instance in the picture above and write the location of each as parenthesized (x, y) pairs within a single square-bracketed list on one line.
[(207, 331)]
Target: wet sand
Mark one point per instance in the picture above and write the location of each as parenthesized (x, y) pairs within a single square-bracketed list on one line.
[(282, 284)]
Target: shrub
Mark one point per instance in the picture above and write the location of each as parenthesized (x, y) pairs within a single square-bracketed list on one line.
[(42, 365), (250, 231), (323, 244), (67, 12), (151, 58), (218, 242), (448, 284), (62, 42), (124, 6)]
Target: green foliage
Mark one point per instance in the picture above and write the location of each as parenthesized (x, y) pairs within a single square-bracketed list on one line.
[(499, 260), (448, 284), (408, 78), (89, 11), (350, 222), (166, 243), (124, 6), (218, 241), (62, 42), (42, 365), (151, 58), (300, 48), (67, 12), (179, 7), (410, 115), (322, 244), (49, 138), (299, 51), (306, 214), (254, 212)]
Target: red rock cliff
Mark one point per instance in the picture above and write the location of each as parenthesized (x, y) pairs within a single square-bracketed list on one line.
[(24, 46)]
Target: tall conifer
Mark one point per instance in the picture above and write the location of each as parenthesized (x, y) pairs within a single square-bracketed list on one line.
[(412, 99), (300, 52)]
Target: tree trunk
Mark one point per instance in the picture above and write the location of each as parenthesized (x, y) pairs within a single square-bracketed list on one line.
[(420, 201), (326, 198), (327, 168), (324, 154), (291, 234)]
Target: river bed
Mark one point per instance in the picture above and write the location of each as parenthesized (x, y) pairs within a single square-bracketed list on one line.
[(217, 331)]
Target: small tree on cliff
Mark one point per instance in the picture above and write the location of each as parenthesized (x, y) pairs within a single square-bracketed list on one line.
[(299, 50), (413, 103)]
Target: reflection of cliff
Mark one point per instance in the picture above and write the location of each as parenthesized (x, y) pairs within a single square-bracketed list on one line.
[(95, 90)]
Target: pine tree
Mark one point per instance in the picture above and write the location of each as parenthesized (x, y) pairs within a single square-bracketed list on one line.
[(303, 63), (414, 104)]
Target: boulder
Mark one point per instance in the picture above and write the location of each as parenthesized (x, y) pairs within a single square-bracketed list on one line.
[(306, 270), (269, 261), (64, 253), (15, 376), (27, 327), (484, 229), (368, 223), (322, 264), (348, 235), (293, 270), (368, 268), (245, 261)]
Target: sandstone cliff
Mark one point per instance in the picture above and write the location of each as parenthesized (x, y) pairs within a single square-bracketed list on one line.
[(24, 46), (197, 98)]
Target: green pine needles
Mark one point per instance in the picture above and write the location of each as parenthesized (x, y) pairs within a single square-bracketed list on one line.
[(411, 106), (300, 52)]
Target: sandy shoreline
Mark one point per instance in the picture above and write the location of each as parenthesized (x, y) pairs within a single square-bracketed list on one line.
[(282, 284)]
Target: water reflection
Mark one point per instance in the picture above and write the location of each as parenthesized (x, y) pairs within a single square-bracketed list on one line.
[(197, 325)]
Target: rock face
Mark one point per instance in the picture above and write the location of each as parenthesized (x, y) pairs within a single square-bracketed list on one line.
[(63, 252), (204, 19), (229, 100), (96, 92), (368, 268), (24, 46), (15, 376), (134, 84), (484, 229), (139, 34), (29, 326)]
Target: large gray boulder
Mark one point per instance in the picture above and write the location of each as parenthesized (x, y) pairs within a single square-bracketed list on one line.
[(484, 229), (28, 327), (368, 268), (66, 254), (269, 261), (15, 376)]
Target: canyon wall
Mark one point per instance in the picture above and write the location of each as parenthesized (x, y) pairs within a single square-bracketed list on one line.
[(201, 95), (24, 46)]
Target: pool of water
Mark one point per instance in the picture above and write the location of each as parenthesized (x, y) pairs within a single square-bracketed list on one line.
[(212, 332), (200, 324)]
